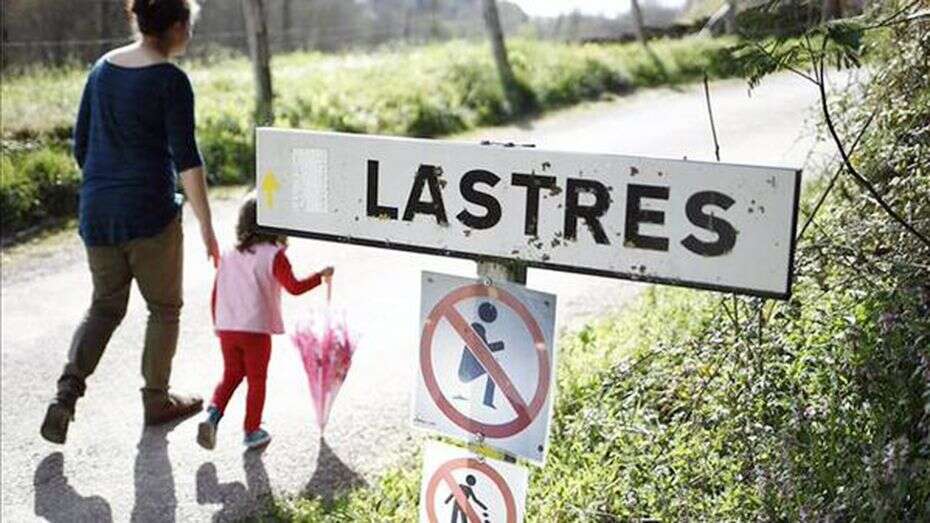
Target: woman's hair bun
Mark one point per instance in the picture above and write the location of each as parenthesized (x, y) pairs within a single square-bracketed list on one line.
[(154, 17)]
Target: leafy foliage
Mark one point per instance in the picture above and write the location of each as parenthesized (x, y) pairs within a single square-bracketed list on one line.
[(839, 42), (697, 406), (36, 184)]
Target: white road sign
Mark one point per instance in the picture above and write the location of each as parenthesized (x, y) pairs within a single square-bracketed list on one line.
[(459, 486), (706, 225), (486, 361)]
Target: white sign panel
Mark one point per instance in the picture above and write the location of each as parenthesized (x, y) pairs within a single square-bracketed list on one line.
[(706, 225), (460, 486), (486, 361)]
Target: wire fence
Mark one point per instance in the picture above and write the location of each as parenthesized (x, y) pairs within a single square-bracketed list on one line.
[(65, 31), (58, 31)]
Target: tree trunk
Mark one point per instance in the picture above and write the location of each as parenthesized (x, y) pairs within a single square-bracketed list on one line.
[(831, 9), (508, 80), (257, 30), (434, 20), (731, 17), (638, 24), (408, 26), (102, 29), (286, 25), (5, 32)]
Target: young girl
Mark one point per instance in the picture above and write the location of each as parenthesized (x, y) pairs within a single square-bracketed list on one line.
[(246, 312)]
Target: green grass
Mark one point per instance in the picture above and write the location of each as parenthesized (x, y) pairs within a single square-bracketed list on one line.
[(583, 359), (675, 411), (696, 406), (36, 184), (424, 91)]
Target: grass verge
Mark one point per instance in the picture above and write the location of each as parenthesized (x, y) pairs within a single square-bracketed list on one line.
[(598, 346), (426, 91), (708, 407)]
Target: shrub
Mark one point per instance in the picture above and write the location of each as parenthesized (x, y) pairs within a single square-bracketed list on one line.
[(226, 146), (18, 196), (424, 91), (37, 184), (430, 116), (708, 407), (57, 178)]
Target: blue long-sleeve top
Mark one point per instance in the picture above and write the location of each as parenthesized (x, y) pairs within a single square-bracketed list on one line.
[(134, 134)]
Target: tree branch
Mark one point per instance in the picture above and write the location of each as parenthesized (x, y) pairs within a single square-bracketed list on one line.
[(836, 175), (893, 18), (863, 181)]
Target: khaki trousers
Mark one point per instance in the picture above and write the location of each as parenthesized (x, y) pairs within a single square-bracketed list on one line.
[(156, 263)]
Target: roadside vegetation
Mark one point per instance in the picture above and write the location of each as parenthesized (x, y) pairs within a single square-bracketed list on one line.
[(424, 91), (711, 407)]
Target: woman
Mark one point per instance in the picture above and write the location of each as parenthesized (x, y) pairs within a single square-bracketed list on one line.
[(133, 138)]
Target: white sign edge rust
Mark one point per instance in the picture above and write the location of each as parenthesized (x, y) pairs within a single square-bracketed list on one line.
[(340, 232)]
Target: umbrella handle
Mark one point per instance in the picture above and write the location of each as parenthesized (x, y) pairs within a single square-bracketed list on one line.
[(329, 288)]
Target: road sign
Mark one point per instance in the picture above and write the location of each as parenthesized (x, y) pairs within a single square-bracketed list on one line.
[(706, 225), (460, 486), (486, 362)]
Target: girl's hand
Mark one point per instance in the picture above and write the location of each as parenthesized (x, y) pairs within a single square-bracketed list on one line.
[(327, 272)]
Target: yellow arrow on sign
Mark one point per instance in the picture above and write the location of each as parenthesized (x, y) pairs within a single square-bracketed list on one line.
[(270, 187)]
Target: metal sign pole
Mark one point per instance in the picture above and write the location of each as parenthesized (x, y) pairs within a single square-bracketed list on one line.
[(492, 271), (497, 271)]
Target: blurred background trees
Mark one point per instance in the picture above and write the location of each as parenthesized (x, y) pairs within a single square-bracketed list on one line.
[(49, 31), (59, 31)]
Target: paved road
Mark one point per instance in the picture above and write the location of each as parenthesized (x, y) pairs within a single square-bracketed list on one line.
[(113, 469)]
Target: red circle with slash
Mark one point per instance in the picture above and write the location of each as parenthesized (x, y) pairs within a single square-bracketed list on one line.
[(444, 474), (445, 309)]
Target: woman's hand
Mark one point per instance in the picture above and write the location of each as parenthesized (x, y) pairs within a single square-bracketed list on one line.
[(327, 272), (195, 187), (209, 241)]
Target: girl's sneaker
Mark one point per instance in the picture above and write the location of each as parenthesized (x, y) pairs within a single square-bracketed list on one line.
[(206, 431), (257, 438)]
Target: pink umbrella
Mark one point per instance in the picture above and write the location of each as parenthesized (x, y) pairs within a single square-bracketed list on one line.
[(326, 346)]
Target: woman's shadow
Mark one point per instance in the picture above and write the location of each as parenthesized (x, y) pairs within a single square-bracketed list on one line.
[(155, 498), (57, 501)]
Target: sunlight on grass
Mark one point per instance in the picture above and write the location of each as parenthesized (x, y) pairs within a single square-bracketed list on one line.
[(422, 91)]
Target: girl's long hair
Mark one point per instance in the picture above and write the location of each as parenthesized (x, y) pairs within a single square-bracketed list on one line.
[(247, 234)]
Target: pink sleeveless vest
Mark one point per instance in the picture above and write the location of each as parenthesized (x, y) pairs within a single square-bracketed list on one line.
[(248, 296)]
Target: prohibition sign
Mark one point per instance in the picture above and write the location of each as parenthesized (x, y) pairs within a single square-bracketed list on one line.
[(444, 474), (445, 309)]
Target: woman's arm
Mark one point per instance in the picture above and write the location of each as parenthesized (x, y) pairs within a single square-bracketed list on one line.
[(195, 187), (180, 125), (82, 127)]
